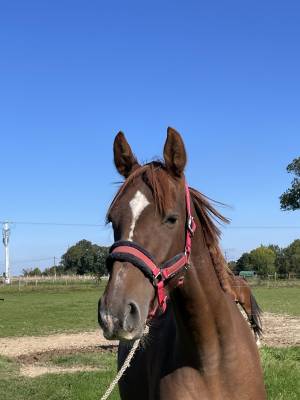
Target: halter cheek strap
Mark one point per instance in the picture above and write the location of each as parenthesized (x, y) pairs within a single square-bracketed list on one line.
[(159, 276)]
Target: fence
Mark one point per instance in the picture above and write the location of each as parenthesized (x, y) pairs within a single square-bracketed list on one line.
[(275, 280), (59, 280), (270, 281)]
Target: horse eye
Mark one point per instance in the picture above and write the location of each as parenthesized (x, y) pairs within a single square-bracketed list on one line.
[(171, 219)]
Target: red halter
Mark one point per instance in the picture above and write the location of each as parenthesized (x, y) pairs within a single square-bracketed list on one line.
[(159, 276)]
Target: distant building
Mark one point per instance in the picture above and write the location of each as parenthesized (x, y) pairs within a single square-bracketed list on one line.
[(247, 274)]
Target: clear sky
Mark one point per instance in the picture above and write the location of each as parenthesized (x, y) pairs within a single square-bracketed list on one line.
[(225, 74)]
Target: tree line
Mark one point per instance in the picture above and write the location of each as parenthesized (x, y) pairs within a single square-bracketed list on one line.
[(265, 260), (88, 258), (82, 258)]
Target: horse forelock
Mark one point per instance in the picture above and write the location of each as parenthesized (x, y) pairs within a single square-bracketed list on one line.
[(156, 177)]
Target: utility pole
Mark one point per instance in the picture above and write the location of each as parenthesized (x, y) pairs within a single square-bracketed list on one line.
[(6, 234), (226, 255), (54, 267)]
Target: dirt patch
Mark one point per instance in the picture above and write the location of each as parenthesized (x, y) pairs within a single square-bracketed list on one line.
[(17, 346), (46, 356), (280, 330), (34, 354), (32, 371), (36, 364)]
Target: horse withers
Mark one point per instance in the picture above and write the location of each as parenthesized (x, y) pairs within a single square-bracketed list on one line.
[(167, 271)]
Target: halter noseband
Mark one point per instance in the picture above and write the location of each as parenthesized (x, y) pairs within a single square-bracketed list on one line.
[(159, 276)]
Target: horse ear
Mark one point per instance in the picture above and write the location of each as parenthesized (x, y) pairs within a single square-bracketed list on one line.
[(174, 153), (125, 161)]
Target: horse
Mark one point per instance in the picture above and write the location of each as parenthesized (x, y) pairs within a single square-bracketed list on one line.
[(167, 272), (246, 299)]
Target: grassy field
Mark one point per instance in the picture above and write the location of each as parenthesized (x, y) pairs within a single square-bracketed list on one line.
[(52, 309), (63, 386), (39, 311), (282, 372), (279, 300), (281, 369)]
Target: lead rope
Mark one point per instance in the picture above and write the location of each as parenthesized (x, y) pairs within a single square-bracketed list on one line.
[(124, 366)]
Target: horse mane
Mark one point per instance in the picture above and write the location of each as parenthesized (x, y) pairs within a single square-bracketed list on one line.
[(209, 217), (157, 178)]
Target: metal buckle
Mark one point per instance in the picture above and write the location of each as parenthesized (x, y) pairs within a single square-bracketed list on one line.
[(187, 266), (157, 278), (190, 224)]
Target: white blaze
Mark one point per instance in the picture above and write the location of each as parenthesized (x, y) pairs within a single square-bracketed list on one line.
[(137, 204)]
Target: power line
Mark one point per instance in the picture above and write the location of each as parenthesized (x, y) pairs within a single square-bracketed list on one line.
[(54, 223), (262, 227), (92, 225), (31, 260)]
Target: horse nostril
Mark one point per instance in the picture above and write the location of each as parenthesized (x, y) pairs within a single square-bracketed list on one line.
[(133, 309), (132, 317)]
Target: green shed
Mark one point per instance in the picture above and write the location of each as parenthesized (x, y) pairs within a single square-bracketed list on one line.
[(247, 274)]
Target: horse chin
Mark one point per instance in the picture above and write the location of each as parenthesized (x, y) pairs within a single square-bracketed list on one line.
[(130, 336)]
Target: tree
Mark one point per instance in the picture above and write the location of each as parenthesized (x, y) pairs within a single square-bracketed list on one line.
[(269, 259), (54, 270), (232, 265), (32, 272), (263, 260), (85, 257), (244, 263), (280, 260), (292, 256), (275, 248), (290, 199)]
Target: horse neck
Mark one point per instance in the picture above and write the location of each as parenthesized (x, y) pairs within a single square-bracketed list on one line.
[(201, 308)]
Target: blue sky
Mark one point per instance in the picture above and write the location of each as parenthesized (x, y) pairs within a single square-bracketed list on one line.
[(74, 73)]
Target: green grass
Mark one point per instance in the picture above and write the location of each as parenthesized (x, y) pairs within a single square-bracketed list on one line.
[(80, 386), (8, 369), (281, 370), (51, 309), (36, 311), (279, 300)]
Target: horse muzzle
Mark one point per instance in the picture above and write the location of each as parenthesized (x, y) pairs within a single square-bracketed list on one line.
[(125, 324)]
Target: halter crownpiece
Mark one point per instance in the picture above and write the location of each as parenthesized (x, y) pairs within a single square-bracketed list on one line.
[(159, 276)]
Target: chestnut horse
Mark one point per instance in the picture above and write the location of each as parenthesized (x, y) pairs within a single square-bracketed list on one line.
[(244, 297), (199, 345)]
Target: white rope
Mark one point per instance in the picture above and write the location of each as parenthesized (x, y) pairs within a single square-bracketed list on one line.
[(124, 366)]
